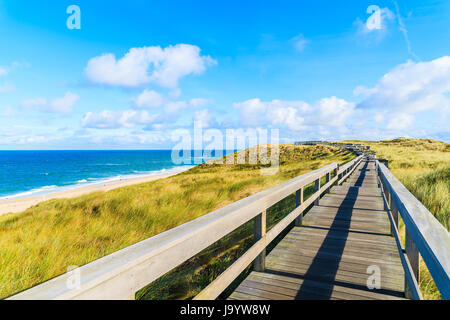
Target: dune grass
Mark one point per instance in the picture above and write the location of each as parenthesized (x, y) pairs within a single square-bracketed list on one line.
[(43, 241), (423, 166)]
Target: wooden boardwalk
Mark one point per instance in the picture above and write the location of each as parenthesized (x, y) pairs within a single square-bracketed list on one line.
[(328, 257)]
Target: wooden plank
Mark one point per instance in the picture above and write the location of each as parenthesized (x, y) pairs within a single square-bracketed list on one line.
[(301, 292), (390, 272), (340, 276), (329, 255), (298, 284)]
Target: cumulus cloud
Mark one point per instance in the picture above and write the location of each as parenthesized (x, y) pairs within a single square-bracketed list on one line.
[(398, 105), (411, 88), (107, 119), (60, 105), (7, 87), (34, 102), (204, 118), (334, 111), (399, 121), (149, 99), (295, 115), (3, 71), (166, 112), (255, 112), (200, 102), (164, 67), (7, 112), (64, 104)]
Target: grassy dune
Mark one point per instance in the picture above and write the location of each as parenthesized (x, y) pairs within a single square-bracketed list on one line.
[(423, 166), (41, 242)]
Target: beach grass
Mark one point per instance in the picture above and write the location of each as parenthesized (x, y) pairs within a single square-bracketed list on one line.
[(423, 166), (43, 241)]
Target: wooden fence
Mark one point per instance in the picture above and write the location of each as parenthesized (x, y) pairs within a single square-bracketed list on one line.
[(424, 234), (121, 274)]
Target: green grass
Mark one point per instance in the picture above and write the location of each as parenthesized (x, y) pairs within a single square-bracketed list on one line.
[(423, 166), (43, 241)]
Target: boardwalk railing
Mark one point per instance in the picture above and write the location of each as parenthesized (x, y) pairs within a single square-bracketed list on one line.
[(423, 233), (121, 274)]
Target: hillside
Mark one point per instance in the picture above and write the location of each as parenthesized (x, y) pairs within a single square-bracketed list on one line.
[(43, 241)]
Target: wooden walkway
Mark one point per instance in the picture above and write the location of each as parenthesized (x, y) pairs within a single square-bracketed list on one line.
[(329, 255)]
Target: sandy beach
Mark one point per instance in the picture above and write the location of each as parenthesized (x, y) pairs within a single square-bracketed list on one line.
[(20, 204)]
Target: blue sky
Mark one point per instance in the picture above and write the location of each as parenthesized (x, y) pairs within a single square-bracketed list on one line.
[(137, 70)]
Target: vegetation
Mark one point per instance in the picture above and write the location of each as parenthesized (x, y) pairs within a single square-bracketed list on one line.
[(423, 166), (43, 241)]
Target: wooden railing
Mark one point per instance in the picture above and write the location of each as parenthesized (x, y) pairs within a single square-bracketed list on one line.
[(423, 234), (121, 274)]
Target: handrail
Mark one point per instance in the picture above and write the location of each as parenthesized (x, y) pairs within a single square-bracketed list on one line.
[(124, 272), (347, 169), (423, 231)]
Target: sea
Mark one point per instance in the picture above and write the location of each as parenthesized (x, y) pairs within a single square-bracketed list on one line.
[(28, 173)]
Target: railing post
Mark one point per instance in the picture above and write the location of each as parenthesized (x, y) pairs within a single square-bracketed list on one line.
[(260, 232), (413, 256), (394, 212), (336, 174), (298, 202), (377, 172), (327, 179), (316, 188), (387, 194)]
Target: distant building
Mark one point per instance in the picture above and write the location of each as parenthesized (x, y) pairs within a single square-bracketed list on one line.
[(309, 143)]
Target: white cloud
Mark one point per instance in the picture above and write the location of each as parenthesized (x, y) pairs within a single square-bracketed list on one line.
[(399, 104), (379, 117), (164, 67), (7, 112), (295, 115), (411, 87), (34, 102), (174, 93), (59, 105), (4, 71), (300, 42), (204, 118), (334, 111), (7, 87), (255, 112), (200, 102), (172, 107), (149, 99), (400, 121), (64, 104), (117, 119)]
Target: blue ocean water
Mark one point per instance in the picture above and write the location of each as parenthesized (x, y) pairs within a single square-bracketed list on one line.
[(26, 173)]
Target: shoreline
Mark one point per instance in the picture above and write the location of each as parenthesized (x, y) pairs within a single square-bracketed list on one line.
[(16, 205)]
